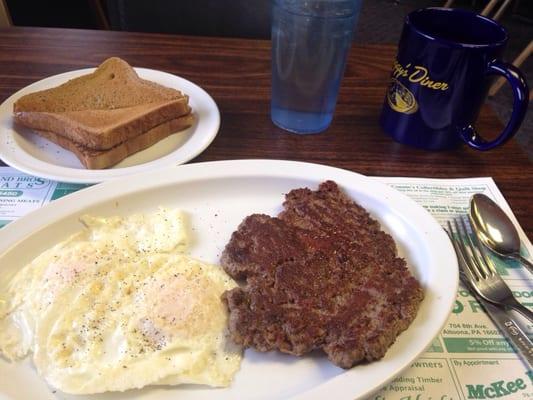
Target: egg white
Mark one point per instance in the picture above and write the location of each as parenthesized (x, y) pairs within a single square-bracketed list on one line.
[(119, 306)]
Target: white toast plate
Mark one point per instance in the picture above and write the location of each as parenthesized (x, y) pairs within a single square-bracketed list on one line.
[(23, 149), (216, 197)]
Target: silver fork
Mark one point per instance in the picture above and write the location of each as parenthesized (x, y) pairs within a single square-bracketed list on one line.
[(480, 271)]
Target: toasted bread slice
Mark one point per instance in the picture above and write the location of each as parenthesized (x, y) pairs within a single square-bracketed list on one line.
[(104, 129), (101, 109), (100, 159), (114, 84)]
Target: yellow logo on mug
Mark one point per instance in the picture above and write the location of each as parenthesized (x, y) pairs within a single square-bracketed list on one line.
[(418, 74), (400, 98)]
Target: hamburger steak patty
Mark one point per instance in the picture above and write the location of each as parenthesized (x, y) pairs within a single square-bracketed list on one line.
[(321, 275)]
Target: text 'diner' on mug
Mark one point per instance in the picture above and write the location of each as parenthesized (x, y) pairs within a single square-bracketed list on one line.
[(440, 79), (310, 43)]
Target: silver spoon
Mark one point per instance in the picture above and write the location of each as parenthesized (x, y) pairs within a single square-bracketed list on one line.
[(495, 230)]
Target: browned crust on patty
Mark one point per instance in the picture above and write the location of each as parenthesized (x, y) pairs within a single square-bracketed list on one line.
[(321, 275)]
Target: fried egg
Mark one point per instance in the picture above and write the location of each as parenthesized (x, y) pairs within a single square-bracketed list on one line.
[(121, 306)]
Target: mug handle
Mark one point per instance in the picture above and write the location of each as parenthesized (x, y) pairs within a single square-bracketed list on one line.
[(520, 102)]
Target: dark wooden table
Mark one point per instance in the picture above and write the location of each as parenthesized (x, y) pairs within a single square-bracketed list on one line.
[(236, 72)]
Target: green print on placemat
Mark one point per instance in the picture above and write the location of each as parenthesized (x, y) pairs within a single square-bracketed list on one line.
[(435, 346), (11, 193), (62, 189), (502, 264), (524, 296), (477, 345), (496, 389)]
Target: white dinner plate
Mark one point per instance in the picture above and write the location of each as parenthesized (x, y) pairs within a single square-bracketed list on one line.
[(21, 148), (216, 197)]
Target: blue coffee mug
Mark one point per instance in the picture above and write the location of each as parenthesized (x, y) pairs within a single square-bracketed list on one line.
[(440, 79)]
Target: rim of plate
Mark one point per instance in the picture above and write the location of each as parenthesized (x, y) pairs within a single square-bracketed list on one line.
[(13, 155), (445, 273)]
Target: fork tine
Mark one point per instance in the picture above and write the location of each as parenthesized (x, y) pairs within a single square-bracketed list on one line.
[(478, 258), (488, 262), (460, 249), (465, 252), (469, 249), (463, 265)]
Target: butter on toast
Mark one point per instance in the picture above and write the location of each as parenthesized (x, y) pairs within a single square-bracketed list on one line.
[(102, 109), (100, 159)]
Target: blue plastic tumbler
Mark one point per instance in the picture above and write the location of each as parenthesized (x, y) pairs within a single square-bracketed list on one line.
[(310, 43)]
